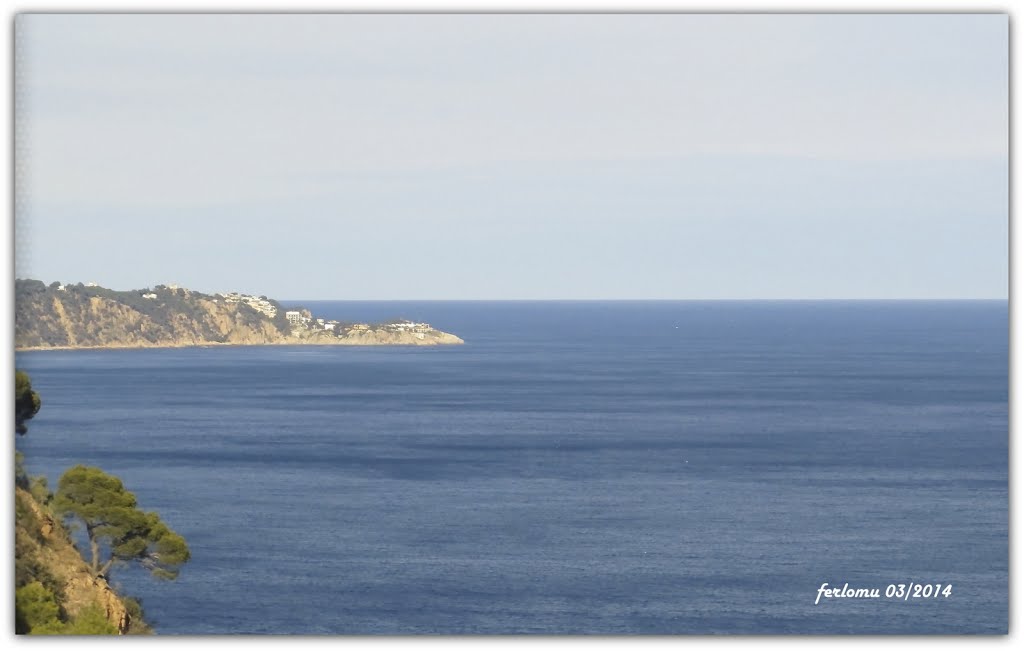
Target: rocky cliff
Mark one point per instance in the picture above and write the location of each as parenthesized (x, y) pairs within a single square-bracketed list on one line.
[(78, 316), (44, 553)]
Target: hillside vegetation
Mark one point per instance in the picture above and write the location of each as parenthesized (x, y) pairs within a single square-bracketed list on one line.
[(56, 592), (80, 316)]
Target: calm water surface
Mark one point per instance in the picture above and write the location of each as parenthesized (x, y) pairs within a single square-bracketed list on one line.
[(666, 467)]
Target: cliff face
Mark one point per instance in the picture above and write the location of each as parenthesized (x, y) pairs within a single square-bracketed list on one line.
[(43, 545), (88, 317), (70, 318)]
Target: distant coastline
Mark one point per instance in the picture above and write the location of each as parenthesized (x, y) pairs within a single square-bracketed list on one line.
[(29, 349), (89, 317)]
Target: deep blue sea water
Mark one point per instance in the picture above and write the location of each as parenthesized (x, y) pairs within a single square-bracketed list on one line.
[(578, 467)]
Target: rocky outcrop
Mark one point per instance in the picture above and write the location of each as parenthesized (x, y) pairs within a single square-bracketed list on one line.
[(382, 337), (81, 590), (44, 542), (95, 317)]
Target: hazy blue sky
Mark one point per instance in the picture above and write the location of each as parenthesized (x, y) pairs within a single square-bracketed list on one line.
[(514, 156)]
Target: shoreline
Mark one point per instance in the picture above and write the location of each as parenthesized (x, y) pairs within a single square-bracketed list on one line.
[(90, 317), (216, 344)]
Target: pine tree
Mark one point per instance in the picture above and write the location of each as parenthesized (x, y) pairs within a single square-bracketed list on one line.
[(111, 516)]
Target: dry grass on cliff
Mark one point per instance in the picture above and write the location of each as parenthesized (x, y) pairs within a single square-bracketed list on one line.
[(52, 578)]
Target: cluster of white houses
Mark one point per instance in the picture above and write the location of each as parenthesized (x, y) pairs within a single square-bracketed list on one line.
[(61, 287), (261, 305), (408, 325), (298, 320)]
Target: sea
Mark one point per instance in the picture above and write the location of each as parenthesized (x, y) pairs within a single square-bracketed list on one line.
[(582, 467)]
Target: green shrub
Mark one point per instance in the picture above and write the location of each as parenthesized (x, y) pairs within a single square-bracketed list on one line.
[(90, 621), (26, 517), (40, 489), (36, 610), (20, 475), (136, 625)]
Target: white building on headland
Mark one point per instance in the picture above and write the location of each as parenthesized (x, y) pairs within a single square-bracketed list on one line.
[(408, 325), (261, 305)]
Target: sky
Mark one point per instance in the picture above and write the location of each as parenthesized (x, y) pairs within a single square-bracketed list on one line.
[(415, 157)]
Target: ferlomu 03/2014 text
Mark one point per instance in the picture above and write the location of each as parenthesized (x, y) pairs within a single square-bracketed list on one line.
[(901, 591)]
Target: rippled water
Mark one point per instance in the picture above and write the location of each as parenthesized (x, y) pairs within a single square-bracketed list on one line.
[(666, 467)]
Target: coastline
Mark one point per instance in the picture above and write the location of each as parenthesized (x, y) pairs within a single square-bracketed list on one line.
[(89, 317), (217, 344)]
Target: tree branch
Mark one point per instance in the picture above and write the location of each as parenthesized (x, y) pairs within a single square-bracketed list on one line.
[(94, 546), (106, 567)]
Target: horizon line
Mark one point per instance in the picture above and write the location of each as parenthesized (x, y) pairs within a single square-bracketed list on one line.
[(636, 300), (580, 300)]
